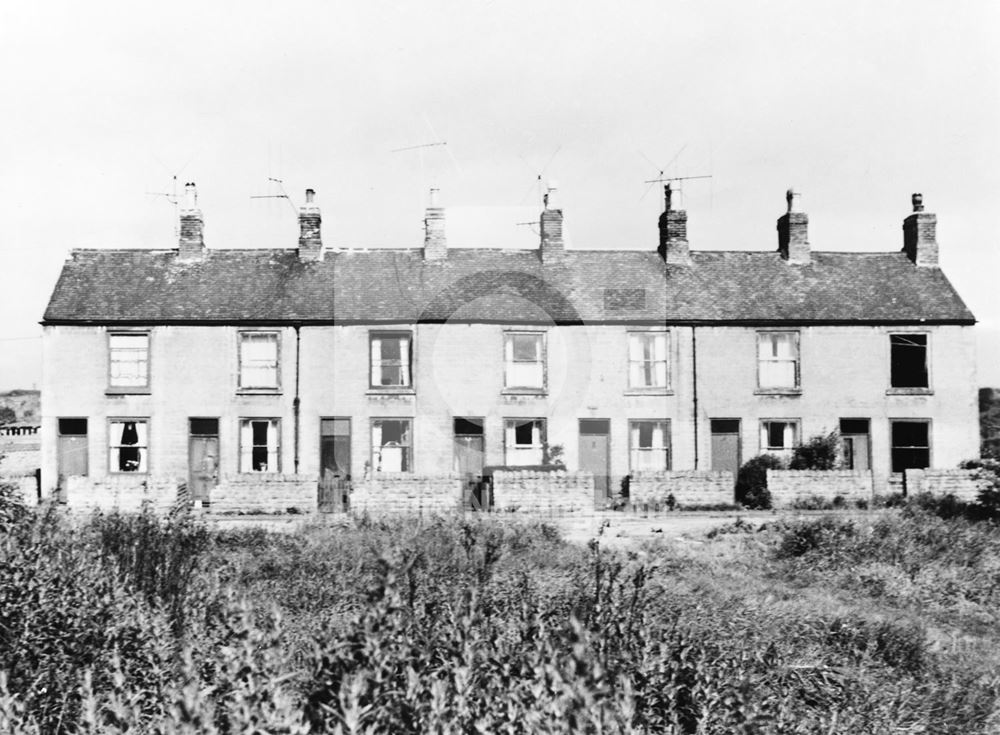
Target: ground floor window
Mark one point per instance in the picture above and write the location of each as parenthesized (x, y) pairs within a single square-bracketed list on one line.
[(523, 441), (649, 445), (779, 436), (128, 441), (911, 444), (392, 445), (259, 445)]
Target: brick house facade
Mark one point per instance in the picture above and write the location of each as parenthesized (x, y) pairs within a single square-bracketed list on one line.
[(200, 363)]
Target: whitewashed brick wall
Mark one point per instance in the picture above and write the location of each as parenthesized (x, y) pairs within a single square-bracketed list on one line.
[(127, 494)]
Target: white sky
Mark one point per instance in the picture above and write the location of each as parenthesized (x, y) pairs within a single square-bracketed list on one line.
[(857, 104)]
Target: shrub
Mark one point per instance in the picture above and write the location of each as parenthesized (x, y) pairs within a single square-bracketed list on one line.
[(821, 452), (826, 534), (751, 481)]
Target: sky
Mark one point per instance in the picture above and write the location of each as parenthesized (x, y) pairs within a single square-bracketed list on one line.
[(853, 103)]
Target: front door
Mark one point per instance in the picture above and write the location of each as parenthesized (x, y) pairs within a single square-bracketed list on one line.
[(595, 444), (335, 448), (855, 443), (469, 453), (203, 458), (71, 450), (726, 445)]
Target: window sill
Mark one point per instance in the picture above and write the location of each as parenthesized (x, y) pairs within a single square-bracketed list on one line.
[(778, 392), (910, 392), (388, 391), (258, 391), (524, 392), (138, 391), (649, 392)]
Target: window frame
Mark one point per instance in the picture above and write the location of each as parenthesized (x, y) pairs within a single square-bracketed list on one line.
[(112, 447), (112, 388), (241, 334), (930, 442), (797, 342), (408, 456), (765, 447), (668, 447), (540, 447), (911, 390), (410, 359), (245, 420), (667, 387), (542, 335)]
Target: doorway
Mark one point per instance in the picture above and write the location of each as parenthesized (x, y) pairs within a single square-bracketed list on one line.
[(71, 449), (203, 458), (855, 444), (595, 451), (335, 448), (470, 449), (726, 449)]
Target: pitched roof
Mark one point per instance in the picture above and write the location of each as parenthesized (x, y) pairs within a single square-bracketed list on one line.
[(382, 285)]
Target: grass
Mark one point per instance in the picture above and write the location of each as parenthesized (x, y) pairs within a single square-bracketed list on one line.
[(132, 624)]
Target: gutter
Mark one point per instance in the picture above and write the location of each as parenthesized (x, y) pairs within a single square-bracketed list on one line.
[(295, 401), (694, 379)]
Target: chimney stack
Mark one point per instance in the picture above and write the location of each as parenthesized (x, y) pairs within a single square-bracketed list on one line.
[(673, 232), (551, 225), (192, 240), (435, 243), (310, 243), (793, 233), (920, 235)]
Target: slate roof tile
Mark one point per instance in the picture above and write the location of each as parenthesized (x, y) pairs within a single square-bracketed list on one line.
[(383, 285)]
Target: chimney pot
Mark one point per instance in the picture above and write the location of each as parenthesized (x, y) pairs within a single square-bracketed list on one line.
[(310, 219), (918, 202), (793, 233)]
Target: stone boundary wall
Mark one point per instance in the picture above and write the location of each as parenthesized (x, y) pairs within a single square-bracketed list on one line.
[(543, 492), (690, 488), (127, 494), (265, 493), (404, 492), (960, 483), (787, 486)]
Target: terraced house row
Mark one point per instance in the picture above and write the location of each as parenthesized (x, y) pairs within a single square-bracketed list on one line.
[(195, 364)]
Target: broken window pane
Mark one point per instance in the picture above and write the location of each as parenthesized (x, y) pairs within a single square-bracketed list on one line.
[(911, 447), (259, 442), (391, 445), (908, 360), (128, 446), (523, 439)]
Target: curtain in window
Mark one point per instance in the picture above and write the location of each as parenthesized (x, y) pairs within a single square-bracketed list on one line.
[(776, 360), (259, 361), (523, 357), (246, 447), (636, 351)]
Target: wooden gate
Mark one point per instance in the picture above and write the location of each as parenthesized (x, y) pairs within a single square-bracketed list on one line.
[(334, 494)]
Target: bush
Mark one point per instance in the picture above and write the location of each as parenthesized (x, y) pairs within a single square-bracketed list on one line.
[(821, 452), (751, 481)]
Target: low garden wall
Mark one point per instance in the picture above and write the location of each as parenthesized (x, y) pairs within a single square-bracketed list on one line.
[(787, 487), (680, 489), (403, 492), (127, 494), (532, 491), (265, 493), (960, 483)]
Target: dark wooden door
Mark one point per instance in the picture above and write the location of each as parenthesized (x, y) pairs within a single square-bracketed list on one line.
[(335, 448)]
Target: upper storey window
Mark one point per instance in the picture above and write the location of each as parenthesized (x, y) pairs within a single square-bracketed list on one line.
[(908, 359), (259, 360), (391, 360), (128, 362), (778, 361), (647, 359), (524, 360)]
